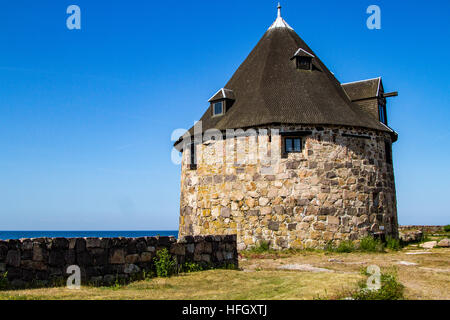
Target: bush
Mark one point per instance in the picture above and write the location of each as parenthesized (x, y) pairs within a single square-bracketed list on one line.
[(390, 289), (393, 244), (369, 244), (447, 228), (263, 246), (189, 267), (165, 264), (345, 247)]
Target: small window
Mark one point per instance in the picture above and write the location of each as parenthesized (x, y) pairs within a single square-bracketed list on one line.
[(388, 151), (382, 113), (304, 63), (218, 108), (292, 145), (193, 163)]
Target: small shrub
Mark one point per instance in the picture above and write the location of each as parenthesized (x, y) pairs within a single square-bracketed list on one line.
[(447, 228), (147, 275), (263, 246), (165, 264), (390, 289), (230, 266), (329, 247), (4, 283), (189, 267), (393, 244), (369, 244), (345, 247)]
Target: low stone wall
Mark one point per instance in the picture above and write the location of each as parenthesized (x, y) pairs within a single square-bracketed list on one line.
[(427, 229), (43, 261)]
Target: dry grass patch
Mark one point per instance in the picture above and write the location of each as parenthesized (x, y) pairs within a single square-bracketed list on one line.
[(261, 279), (212, 284)]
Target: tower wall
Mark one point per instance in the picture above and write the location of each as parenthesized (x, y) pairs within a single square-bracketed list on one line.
[(339, 187)]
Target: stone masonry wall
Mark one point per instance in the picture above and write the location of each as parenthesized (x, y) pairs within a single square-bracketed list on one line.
[(103, 260), (339, 187)]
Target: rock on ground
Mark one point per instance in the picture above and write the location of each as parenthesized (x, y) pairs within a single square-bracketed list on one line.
[(407, 263), (444, 243), (410, 236), (429, 245), (304, 267)]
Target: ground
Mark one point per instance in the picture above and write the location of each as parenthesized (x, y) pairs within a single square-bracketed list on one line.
[(319, 275)]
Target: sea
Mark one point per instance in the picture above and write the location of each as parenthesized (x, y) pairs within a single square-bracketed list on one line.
[(6, 235)]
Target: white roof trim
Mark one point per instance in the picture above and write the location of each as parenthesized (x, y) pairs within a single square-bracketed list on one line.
[(224, 93), (379, 78), (379, 84), (300, 49), (387, 127), (215, 94)]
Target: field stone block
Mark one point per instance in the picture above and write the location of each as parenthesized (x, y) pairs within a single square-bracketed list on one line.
[(109, 279), (146, 257), (70, 256), (178, 249), (3, 251), (27, 255), (132, 258), (13, 258), (131, 268), (93, 243), (117, 257), (84, 259), (56, 258), (273, 225), (190, 247), (99, 256), (59, 243), (141, 246), (27, 244)]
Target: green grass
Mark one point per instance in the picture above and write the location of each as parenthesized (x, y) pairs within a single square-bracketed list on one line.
[(261, 247), (211, 284), (4, 283), (393, 244), (369, 244), (366, 244), (390, 289)]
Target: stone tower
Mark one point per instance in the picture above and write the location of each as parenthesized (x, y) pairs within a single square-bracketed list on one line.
[(285, 153)]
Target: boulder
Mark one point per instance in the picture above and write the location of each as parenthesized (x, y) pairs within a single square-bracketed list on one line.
[(444, 243), (429, 244), (411, 236)]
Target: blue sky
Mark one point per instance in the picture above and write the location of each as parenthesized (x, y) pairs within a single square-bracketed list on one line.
[(86, 115)]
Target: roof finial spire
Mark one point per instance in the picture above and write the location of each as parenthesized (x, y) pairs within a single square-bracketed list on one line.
[(279, 23)]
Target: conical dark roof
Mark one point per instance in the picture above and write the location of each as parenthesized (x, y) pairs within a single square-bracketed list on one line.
[(269, 89)]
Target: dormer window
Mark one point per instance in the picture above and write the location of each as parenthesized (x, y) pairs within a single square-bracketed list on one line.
[(304, 63), (303, 59), (221, 101), (218, 108)]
